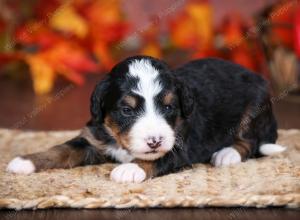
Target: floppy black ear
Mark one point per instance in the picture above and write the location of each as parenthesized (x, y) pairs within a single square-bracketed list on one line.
[(97, 100), (186, 98)]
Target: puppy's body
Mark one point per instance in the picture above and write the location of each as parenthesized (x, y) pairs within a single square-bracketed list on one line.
[(231, 103), (155, 120)]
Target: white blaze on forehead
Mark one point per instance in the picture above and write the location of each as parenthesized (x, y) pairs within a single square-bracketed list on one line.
[(148, 86)]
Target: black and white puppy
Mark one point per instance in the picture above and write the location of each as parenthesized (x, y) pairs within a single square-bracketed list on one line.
[(155, 120)]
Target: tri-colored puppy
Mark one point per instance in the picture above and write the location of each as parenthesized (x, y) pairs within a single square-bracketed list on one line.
[(154, 120)]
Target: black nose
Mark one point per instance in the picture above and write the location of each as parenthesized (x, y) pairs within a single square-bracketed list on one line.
[(154, 142)]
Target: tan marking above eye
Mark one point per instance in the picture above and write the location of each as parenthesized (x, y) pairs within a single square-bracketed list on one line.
[(168, 98), (130, 100)]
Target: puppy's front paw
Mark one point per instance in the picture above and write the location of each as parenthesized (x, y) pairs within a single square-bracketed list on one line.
[(128, 173), (21, 166), (226, 156)]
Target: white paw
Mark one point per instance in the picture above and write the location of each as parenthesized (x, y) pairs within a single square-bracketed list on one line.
[(226, 156), (128, 173), (20, 165)]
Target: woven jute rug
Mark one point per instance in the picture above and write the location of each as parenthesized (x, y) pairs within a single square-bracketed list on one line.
[(267, 181)]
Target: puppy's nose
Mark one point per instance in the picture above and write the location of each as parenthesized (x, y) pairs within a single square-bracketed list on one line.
[(154, 142)]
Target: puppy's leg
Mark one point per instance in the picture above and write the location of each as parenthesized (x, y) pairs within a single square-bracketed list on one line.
[(232, 155), (139, 170), (255, 136), (243, 146), (75, 152)]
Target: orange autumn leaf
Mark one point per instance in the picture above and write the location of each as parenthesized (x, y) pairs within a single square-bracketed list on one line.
[(42, 74), (70, 60), (183, 33), (105, 21), (64, 38), (102, 52), (72, 56), (65, 59), (106, 26), (193, 28), (233, 31)]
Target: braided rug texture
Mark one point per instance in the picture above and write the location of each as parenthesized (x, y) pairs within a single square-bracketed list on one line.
[(267, 181)]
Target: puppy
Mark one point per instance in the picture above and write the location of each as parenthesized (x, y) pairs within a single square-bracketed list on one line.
[(155, 120)]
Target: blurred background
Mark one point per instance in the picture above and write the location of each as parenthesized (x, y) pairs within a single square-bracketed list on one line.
[(52, 52)]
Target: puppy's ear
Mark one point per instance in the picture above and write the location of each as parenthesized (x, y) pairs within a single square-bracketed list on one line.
[(97, 100), (186, 98)]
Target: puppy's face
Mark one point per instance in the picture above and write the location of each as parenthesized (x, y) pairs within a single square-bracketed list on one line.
[(141, 107)]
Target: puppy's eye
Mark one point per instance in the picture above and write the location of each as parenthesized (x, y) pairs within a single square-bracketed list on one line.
[(126, 111), (168, 108)]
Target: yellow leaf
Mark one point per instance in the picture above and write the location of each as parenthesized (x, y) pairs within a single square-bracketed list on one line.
[(42, 74), (66, 19)]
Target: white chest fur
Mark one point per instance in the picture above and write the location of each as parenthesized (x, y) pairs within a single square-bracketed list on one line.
[(119, 154)]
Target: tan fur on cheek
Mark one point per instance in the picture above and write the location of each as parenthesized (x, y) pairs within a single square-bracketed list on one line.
[(113, 129)]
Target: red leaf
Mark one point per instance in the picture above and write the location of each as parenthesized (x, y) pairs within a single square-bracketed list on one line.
[(5, 58), (297, 32), (80, 64)]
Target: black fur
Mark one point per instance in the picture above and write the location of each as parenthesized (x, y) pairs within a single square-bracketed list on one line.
[(222, 93), (91, 155)]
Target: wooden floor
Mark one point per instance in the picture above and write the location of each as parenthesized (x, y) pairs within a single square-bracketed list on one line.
[(68, 108), (156, 214)]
